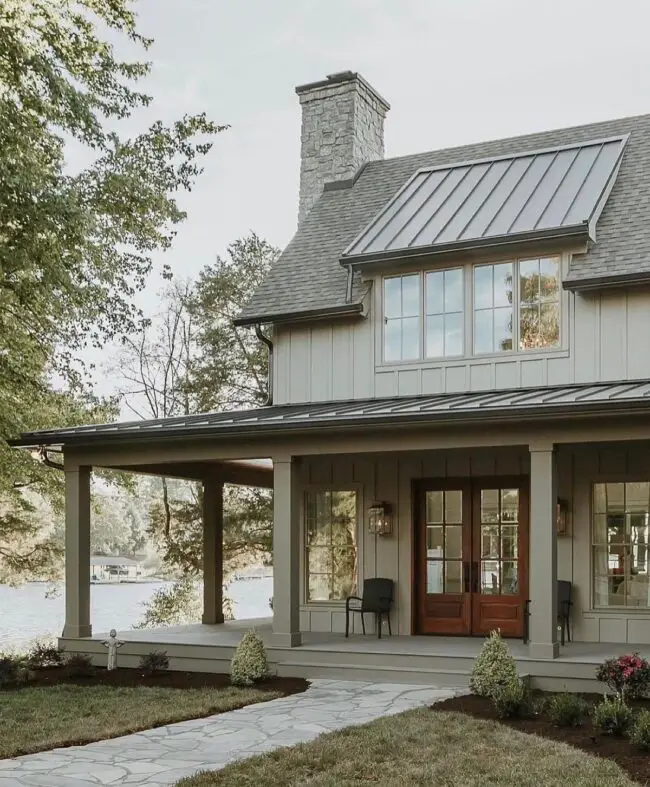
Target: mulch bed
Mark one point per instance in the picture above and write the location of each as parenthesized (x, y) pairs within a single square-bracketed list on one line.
[(636, 763), (168, 679)]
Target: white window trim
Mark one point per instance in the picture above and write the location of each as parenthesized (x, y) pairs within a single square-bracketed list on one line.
[(468, 313), (304, 584)]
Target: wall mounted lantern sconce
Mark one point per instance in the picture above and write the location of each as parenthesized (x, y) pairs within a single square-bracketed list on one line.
[(562, 517), (380, 519)]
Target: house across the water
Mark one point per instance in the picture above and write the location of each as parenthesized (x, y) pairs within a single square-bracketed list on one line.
[(112, 568)]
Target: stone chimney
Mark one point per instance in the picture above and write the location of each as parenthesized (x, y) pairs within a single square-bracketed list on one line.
[(342, 128)]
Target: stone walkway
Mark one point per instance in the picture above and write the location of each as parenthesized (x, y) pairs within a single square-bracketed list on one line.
[(158, 758)]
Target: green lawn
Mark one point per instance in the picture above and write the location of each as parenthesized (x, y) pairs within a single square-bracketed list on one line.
[(44, 717), (421, 747)]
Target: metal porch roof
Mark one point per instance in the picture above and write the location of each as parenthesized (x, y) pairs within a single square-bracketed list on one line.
[(555, 192), (440, 408)]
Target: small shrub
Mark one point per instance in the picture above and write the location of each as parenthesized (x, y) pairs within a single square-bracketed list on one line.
[(154, 662), (512, 699), (627, 675), (612, 716), (640, 734), (567, 710), (80, 665), (249, 664), (44, 655), (12, 671), (494, 667)]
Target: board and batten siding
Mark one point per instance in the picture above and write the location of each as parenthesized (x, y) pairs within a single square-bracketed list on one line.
[(390, 478), (604, 339)]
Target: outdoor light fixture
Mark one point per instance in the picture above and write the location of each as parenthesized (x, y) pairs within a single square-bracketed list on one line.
[(380, 519), (562, 511)]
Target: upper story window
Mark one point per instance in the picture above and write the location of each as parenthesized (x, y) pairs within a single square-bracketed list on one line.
[(514, 306)]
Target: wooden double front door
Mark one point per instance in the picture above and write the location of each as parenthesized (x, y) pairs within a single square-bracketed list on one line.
[(471, 556)]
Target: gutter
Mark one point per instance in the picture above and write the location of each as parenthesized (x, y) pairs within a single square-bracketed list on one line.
[(322, 313), (269, 344), (363, 259)]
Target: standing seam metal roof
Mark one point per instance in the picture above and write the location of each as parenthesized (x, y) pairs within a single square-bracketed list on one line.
[(308, 275), (433, 409), (558, 189)]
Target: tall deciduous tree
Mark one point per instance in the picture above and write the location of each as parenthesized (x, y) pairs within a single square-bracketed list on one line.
[(75, 245)]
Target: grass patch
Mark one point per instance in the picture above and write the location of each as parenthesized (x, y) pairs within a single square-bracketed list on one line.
[(35, 718), (421, 747)]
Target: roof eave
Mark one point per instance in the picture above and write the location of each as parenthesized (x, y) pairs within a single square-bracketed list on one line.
[(495, 416), (575, 232), (606, 282), (322, 313)]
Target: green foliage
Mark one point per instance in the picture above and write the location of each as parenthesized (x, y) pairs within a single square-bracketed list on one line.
[(494, 666), (154, 662), (640, 733), (612, 716), (249, 664), (13, 671), (44, 655), (567, 710), (511, 699), (76, 243), (79, 665), (172, 606)]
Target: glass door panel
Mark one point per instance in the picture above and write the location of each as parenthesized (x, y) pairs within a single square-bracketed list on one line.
[(444, 539), (499, 539)]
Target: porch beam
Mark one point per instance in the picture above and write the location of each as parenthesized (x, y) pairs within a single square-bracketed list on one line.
[(77, 553), (374, 438), (286, 552), (213, 550), (543, 551)]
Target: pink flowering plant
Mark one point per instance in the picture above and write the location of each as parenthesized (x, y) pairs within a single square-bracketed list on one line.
[(627, 676)]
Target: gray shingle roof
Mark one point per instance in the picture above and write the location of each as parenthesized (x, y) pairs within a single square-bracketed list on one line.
[(308, 275), (594, 398)]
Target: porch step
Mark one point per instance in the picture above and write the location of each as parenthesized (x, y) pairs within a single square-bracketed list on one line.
[(415, 675)]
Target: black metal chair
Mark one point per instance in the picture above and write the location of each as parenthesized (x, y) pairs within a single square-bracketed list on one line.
[(564, 604), (377, 598)]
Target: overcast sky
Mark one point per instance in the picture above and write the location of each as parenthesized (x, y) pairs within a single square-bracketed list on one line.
[(454, 71)]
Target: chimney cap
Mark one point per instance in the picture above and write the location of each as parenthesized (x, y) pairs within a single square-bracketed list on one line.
[(340, 78)]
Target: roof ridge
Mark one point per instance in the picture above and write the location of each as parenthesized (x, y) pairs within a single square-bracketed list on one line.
[(508, 139)]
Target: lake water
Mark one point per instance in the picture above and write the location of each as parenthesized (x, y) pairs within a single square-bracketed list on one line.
[(26, 612)]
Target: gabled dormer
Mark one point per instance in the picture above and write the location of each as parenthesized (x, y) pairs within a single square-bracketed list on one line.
[(496, 265)]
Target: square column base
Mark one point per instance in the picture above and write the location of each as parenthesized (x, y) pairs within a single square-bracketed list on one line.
[(76, 632), (291, 640), (212, 619), (544, 650)]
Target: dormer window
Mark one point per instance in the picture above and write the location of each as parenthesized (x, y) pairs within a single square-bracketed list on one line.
[(514, 306)]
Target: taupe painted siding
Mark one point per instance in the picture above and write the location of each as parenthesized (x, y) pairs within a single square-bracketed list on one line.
[(605, 338), (390, 478)]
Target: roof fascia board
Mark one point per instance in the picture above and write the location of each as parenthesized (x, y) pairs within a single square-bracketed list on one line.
[(324, 313), (575, 232)]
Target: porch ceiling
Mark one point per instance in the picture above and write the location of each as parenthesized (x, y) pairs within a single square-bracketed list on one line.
[(486, 406)]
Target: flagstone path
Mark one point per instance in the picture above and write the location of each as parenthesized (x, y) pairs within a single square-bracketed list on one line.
[(159, 757)]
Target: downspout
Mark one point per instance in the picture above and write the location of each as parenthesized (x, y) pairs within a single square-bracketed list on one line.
[(348, 289), (269, 345)]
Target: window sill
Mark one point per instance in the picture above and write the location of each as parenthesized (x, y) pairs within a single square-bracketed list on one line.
[(617, 611), (426, 363)]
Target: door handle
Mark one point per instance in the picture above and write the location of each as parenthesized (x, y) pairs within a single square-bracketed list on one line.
[(466, 576)]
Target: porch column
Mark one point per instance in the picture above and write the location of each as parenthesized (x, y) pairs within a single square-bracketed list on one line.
[(286, 552), (543, 551), (77, 553), (212, 550)]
